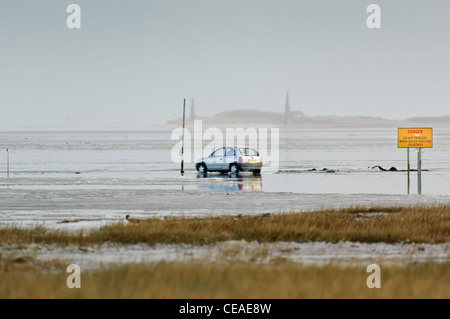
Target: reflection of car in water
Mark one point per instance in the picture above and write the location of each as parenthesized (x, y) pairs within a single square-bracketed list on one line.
[(231, 159), (248, 183)]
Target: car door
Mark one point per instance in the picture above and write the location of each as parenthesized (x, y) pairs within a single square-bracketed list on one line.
[(229, 157), (217, 159)]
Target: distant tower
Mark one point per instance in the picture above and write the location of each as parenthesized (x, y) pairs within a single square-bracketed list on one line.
[(287, 112), (193, 116)]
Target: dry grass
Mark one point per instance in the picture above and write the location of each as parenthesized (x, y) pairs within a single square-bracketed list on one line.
[(211, 280), (379, 224)]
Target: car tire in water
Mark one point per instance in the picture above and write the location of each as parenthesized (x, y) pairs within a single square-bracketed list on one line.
[(201, 168), (233, 169), (257, 172)]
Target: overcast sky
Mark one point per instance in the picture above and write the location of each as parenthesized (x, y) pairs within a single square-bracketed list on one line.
[(133, 62)]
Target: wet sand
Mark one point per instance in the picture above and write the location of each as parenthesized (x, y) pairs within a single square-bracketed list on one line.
[(85, 208)]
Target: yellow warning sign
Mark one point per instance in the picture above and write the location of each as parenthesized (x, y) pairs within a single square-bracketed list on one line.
[(415, 137)]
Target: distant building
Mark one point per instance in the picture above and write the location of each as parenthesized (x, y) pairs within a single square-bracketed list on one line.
[(287, 112)]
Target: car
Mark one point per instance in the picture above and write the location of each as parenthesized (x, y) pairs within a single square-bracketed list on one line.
[(231, 159)]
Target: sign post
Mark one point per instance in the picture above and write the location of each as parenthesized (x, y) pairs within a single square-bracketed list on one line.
[(419, 171), (418, 138), (409, 169)]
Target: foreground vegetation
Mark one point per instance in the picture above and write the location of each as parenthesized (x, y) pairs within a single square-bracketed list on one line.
[(378, 224), (29, 279)]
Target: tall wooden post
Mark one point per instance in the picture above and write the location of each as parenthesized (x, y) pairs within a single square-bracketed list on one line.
[(182, 145), (7, 165)]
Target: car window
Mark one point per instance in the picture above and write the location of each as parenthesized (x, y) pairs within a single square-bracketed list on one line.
[(230, 152), (246, 151), (218, 152)]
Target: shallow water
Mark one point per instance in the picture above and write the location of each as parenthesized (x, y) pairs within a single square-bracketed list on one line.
[(141, 159)]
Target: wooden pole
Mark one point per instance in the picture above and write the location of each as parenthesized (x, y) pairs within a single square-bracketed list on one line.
[(182, 145), (7, 152)]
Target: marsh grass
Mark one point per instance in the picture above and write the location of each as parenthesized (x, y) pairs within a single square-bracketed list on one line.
[(217, 280), (376, 224)]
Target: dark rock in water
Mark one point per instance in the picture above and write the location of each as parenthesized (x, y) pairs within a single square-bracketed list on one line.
[(325, 169), (77, 173), (392, 169), (312, 170)]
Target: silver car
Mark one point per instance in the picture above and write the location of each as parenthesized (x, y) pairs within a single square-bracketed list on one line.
[(232, 159)]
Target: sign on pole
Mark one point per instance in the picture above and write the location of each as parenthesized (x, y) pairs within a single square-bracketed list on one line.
[(415, 137), (418, 138)]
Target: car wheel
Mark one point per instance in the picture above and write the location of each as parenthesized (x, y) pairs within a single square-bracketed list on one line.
[(257, 172), (233, 169), (201, 168)]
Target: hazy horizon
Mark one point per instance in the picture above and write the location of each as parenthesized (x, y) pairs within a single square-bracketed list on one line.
[(132, 63)]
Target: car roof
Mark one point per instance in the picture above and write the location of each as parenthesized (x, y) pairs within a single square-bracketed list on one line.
[(234, 146)]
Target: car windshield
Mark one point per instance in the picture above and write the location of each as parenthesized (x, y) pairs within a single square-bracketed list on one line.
[(248, 151)]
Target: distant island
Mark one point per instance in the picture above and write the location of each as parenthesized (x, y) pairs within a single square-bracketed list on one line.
[(297, 119)]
